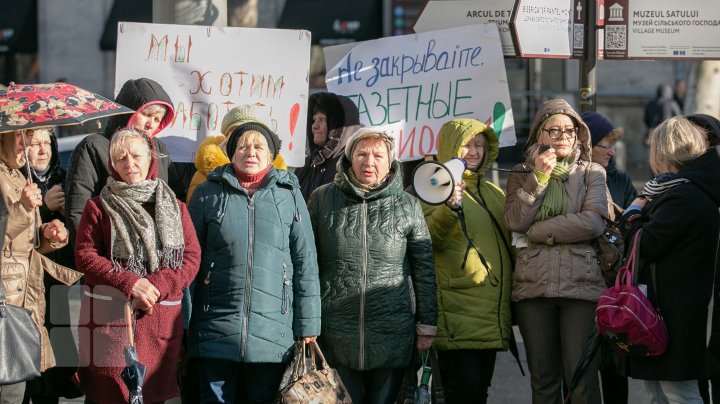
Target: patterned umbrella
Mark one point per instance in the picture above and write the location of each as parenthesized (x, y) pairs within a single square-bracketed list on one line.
[(134, 373), (27, 106)]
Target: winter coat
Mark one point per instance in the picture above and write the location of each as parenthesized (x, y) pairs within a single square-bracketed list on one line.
[(377, 277), (158, 336), (257, 288), (211, 155), (88, 168), (680, 234), (620, 184), (559, 260), (23, 266), (54, 176), (473, 306), (342, 120)]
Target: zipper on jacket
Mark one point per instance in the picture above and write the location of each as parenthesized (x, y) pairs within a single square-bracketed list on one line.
[(206, 288), (363, 284), (285, 292), (248, 274)]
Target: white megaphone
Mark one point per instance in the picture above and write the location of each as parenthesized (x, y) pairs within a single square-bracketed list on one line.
[(434, 182)]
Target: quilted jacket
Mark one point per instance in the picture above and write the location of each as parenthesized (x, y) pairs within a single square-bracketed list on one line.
[(377, 278), (257, 287)]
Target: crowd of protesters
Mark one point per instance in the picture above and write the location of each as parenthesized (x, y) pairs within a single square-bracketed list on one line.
[(341, 253)]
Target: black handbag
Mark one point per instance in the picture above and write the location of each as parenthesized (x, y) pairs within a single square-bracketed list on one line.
[(19, 335)]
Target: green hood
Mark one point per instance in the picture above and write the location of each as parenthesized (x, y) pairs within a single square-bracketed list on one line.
[(454, 134)]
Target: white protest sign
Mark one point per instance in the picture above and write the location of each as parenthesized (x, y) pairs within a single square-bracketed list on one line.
[(209, 70), (543, 28), (455, 13), (411, 85), (662, 29)]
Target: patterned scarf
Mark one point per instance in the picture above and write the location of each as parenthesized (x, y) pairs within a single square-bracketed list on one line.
[(661, 184), (555, 200), (141, 243)]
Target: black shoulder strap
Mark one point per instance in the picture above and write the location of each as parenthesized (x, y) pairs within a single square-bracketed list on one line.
[(498, 228)]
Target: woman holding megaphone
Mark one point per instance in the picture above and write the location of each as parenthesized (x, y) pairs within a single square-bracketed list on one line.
[(555, 205), (473, 264)]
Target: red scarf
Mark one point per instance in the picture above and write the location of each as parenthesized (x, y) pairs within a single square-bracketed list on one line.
[(251, 182)]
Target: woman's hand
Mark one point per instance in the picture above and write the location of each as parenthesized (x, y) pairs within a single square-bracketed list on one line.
[(55, 199), (145, 293), (137, 304), (545, 161), (309, 340), (30, 197), (455, 200), (425, 342), (55, 232)]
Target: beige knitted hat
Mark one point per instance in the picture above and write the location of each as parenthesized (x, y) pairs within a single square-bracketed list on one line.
[(238, 116)]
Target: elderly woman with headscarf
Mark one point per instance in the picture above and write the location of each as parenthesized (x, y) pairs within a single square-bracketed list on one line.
[(331, 120), (678, 215), (23, 265), (136, 245), (556, 201), (257, 290), (377, 276)]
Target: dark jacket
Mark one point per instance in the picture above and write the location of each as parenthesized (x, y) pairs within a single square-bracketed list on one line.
[(257, 287), (377, 276), (342, 120), (620, 184), (680, 235), (88, 168)]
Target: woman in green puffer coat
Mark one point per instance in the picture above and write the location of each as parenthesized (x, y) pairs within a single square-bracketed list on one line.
[(474, 270), (377, 278)]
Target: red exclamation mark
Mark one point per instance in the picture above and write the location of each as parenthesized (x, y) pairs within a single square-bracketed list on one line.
[(294, 113)]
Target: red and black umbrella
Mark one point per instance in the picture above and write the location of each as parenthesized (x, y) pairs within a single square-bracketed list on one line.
[(28, 106)]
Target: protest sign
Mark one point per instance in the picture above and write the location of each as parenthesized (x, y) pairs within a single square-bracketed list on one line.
[(411, 85), (209, 70)]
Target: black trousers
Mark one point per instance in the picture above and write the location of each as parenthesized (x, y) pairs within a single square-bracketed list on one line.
[(467, 374)]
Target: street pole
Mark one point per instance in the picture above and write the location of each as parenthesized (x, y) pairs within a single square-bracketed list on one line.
[(588, 84)]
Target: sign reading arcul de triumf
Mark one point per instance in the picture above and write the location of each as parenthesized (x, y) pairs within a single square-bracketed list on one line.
[(411, 85), (209, 70), (662, 29), (448, 14)]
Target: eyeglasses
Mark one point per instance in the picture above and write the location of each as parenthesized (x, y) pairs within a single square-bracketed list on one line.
[(602, 146), (555, 133)]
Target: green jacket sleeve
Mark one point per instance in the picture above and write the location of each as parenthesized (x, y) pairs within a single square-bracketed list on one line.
[(422, 264)]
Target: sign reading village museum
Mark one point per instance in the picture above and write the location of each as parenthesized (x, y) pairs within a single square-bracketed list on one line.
[(662, 29)]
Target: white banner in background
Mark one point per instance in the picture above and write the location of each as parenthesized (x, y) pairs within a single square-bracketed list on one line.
[(411, 85), (209, 70)]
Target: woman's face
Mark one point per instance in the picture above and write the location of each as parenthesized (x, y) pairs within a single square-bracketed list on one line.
[(40, 149), (148, 122), (370, 161), (12, 149), (319, 128), (562, 127), (603, 151), (472, 152), (132, 161), (251, 156)]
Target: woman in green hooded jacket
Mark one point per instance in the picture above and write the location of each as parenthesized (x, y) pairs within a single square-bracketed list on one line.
[(473, 266)]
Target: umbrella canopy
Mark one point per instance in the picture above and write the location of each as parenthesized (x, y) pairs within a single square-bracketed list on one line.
[(134, 373), (27, 106)]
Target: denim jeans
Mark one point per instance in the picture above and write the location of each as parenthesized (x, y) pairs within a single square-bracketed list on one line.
[(376, 386), (224, 381), (665, 392)]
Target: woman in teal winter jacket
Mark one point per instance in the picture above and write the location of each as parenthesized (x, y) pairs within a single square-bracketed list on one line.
[(257, 288)]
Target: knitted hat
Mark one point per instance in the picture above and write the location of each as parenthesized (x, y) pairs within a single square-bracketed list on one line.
[(236, 117), (272, 139), (710, 124), (366, 132), (599, 126)]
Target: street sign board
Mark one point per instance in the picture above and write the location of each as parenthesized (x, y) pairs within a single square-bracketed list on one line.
[(662, 29), (448, 14), (543, 28)]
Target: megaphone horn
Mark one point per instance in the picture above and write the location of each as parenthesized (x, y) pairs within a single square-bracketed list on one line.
[(434, 182)]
